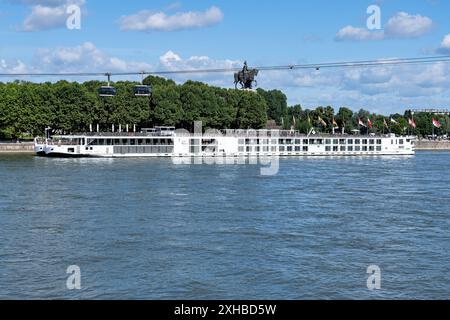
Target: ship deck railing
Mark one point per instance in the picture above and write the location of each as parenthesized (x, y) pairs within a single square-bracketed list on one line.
[(225, 133)]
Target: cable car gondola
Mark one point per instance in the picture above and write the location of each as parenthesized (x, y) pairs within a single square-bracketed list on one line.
[(142, 91), (107, 91)]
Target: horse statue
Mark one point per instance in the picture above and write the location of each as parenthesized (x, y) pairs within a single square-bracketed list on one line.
[(246, 78)]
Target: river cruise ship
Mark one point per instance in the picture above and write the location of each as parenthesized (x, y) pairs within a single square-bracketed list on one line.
[(168, 142)]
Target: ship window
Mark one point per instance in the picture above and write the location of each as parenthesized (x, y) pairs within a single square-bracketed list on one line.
[(400, 141), (305, 141), (274, 141), (378, 141), (281, 141), (328, 141), (342, 141), (350, 149), (108, 142), (273, 149), (328, 148), (241, 149), (71, 150), (378, 148), (265, 149), (371, 148), (297, 141), (319, 141), (241, 141), (282, 149), (297, 149), (289, 149), (249, 149), (289, 141), (364, 141), (350, 141), (101, 142), (364, 148), (342, 149), (371, 141), (335, 148), (357, 141), (305, 149), (335, 141), (357, 148)]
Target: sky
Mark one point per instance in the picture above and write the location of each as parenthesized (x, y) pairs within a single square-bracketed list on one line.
[(118, 36)]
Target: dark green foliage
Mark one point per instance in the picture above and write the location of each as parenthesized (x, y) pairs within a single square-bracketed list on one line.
[(27, 108)]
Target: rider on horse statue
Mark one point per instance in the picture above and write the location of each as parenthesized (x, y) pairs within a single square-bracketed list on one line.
[(245, 71), (246, 77)]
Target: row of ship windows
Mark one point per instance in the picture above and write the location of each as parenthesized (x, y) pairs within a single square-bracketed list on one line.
[(306, 149), (313, 141), (143, 149), (130, 142)]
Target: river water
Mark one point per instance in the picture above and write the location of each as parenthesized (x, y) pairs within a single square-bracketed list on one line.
[(152, 229)]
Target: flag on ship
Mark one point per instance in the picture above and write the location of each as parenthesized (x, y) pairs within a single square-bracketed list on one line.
[(335, 125), (361, 123), (385, 123), (322, 122), (370, 123), (412, 123), (436, 123), (393, 121)]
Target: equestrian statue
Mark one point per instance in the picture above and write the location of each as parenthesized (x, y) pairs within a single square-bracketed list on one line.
[(246, 78)]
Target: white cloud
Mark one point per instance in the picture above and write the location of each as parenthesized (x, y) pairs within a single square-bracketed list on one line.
[(83, 58), (400, 26), (404, 25), (160, 21), (12, 67), (47, 14), (445, 45), (350, 33)]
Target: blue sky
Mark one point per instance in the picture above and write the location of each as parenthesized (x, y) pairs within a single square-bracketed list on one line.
[(158, 35)]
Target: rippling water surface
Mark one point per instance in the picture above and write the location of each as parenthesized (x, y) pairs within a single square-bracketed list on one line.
[(150, 229)]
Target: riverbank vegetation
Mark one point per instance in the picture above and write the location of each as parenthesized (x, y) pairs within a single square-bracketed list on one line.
[(28, 108)]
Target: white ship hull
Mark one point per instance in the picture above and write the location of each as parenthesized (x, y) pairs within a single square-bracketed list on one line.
[(236, 144)]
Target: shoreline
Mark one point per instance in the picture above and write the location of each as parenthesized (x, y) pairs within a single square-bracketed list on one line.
[(22, 148), (28, 148)]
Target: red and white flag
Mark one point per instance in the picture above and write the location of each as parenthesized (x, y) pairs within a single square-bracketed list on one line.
[(436, 123), (361, 123), (412, 123), (370, 123)]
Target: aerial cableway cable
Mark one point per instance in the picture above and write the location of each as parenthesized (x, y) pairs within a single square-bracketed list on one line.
[(316, 66)]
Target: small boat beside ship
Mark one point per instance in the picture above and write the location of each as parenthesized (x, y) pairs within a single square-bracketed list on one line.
[(169, 142)]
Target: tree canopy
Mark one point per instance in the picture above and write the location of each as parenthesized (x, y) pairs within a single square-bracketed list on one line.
[(27, 108)]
